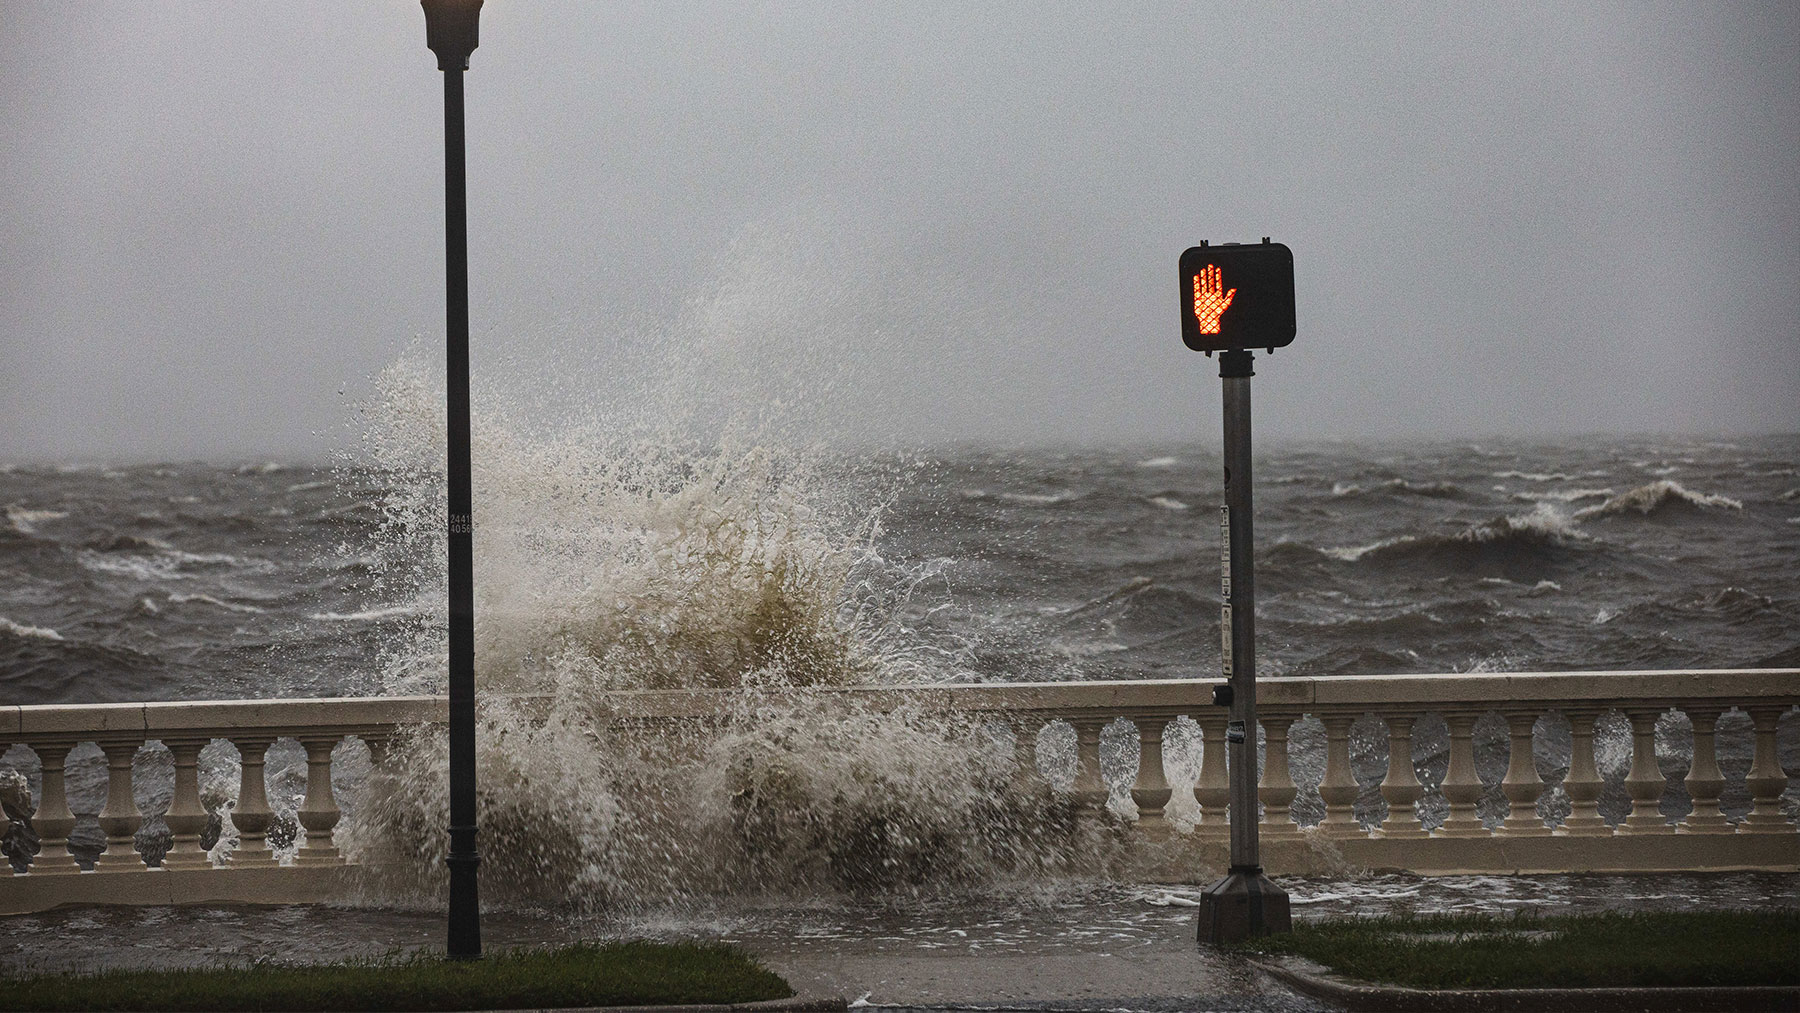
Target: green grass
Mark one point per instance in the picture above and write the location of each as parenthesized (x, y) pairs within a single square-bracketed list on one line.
[(613, 974), (1662, 949)]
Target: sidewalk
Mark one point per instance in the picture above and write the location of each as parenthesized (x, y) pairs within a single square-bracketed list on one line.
[(1178, 976)]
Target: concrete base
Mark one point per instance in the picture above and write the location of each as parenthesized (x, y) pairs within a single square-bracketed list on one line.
[(1242, 905), (1192, 858), (316, 884)]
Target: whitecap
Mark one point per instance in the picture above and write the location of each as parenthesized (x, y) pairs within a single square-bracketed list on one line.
[(1604, 616), (207, 599), (370, 615), (306, 486), (1168, 503), (1345, 489), (1561, 495), (1159, 462), (25, 521), (136, 567), (1037, 498), (1658, 495), (1534, 476), (34, 632)]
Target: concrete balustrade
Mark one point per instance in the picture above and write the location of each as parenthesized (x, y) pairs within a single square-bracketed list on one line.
[(1521, 840), (252, 872)]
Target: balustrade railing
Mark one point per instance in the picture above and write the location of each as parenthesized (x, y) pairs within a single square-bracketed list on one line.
[(1447, 836)]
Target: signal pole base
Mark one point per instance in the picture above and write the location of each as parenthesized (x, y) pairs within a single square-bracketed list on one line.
[(1242, 905)]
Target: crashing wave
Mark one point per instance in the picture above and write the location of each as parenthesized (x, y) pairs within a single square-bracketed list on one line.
[(1561, 495), (207, 599), (655, 561), (1504, 539), (1660, 496), (12, 629), (1535, 476)]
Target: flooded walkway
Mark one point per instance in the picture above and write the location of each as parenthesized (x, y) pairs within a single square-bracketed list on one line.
[(1120, 947)]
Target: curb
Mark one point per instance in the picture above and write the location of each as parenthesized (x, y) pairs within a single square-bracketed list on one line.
[(792, 1004), (1357, 995)]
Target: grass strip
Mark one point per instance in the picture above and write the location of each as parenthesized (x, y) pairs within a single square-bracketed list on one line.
[(611, 974), (1609, 950)]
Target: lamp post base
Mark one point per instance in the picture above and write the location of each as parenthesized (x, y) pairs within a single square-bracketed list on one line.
[(1243, 904)]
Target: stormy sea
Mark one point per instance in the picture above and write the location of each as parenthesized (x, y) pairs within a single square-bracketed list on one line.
[(199, 581), (615, 557)]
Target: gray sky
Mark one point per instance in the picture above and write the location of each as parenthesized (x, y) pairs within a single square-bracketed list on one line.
[(219, 220)]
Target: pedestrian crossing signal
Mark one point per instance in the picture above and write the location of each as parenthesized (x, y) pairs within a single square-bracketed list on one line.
[(1237, 296)]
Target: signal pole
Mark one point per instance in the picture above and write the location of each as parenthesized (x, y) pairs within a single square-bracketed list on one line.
[(1234, 298), (1245, 903)]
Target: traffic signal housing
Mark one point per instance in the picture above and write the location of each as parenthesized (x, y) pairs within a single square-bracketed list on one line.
[(1237, 296)]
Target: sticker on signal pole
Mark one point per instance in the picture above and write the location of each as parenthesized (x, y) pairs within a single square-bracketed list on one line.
[(1237, 296)]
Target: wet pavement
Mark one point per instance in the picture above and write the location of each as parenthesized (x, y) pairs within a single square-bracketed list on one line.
[(1068, 946)]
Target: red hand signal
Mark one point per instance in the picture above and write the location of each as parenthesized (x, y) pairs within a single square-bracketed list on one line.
[(1209, 304)]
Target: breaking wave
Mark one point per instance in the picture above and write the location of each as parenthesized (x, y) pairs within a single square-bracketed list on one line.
[(1401, 486), (1511, 542), (21, 631), (658, 561), (1661, 497)]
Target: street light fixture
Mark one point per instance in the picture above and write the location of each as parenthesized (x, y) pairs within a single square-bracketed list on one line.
[(450, 32)]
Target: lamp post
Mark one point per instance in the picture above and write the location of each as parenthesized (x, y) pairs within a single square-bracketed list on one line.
[(450, 32)]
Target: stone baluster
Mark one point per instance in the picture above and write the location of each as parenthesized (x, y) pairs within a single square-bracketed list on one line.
[(1583, 783), (1644, 782), (1213, 789), (1401, 788), (1522, 785), (1026, 779), (319, 812), (1089, 789), (5, 821), (1339, 787), (1705, 781), (1150, 790), (1276, 789), (186, 816), (379, 742), (1766, 780), (120, 818), (252, 815), (1462, 787), (53, 820)]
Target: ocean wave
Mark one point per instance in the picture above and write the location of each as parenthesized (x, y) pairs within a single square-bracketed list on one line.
[(144, 568), (1159, 462), (370, 615), (207, 599), (1040, 498), (1510, 540), (1789, 496), (1401, 486), (309, 486), (25, 521), (1168, 503), (1661, 496), (129, 543), (1535, 476), (12, 629), (1561, 495)]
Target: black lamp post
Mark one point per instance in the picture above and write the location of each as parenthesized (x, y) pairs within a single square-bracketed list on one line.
[(450, 33)]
